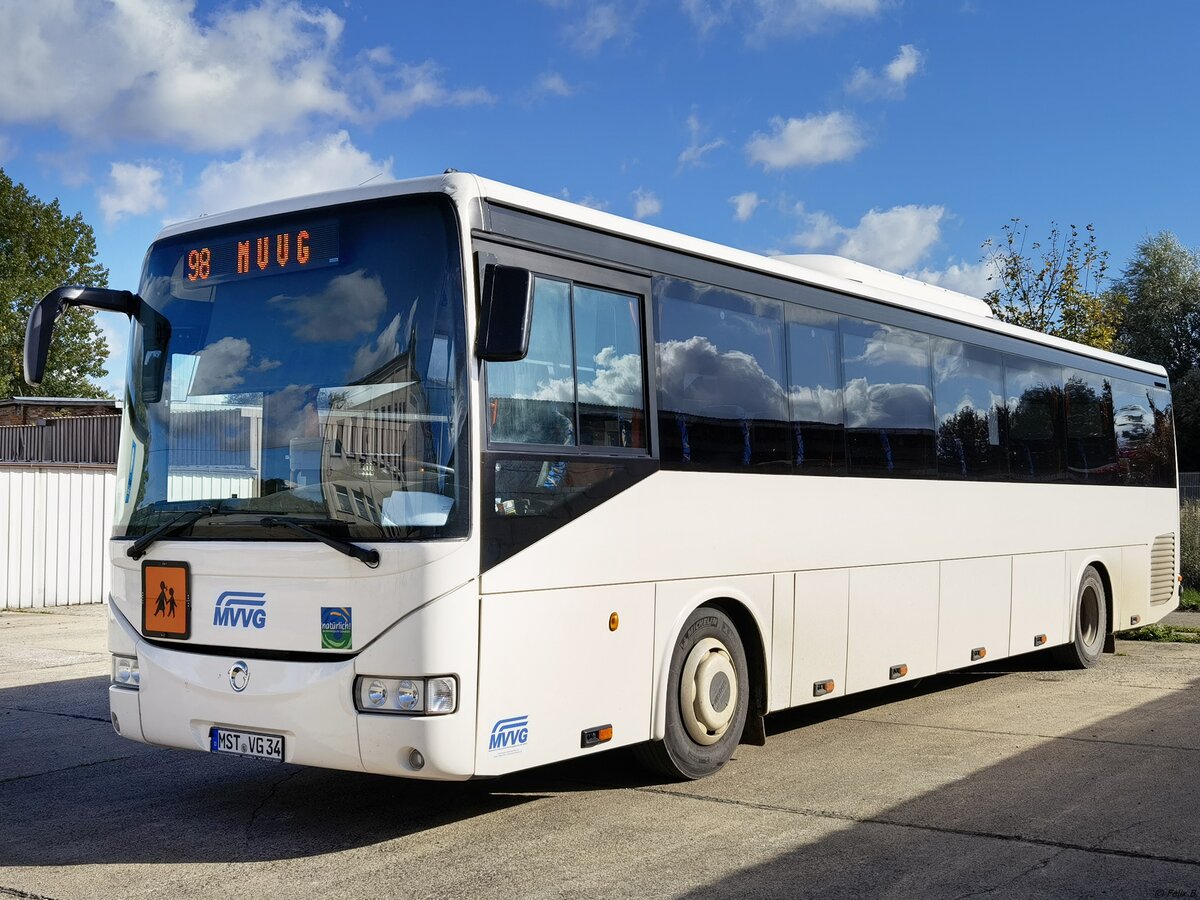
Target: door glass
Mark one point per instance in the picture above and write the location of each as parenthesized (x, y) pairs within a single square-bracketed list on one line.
[(608, 341)]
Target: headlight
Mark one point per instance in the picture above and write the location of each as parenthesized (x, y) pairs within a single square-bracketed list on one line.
[(437, 696), (125, 672)]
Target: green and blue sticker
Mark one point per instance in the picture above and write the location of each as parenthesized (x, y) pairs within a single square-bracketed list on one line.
[(336, 630)]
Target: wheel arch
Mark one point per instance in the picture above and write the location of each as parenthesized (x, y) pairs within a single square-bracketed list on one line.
[(740, 607)]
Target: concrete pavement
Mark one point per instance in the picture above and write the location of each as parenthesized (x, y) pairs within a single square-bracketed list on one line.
[(1018, 780)]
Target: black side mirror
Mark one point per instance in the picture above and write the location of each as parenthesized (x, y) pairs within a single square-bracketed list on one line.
[(156, 337), (505, 314), (41, 320)]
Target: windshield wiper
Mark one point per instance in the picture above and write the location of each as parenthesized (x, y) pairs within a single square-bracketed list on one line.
[(369, 558), (177, 524)]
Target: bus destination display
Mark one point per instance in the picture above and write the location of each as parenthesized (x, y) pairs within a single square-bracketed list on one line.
[(268, 251)]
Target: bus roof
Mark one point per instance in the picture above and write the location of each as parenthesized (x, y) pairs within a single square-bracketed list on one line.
[(831, 272)]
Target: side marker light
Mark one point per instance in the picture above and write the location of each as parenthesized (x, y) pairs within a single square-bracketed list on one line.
[(897, 671), (590, 737), (978, 653), (1134, 620), (1039, 640), (614, 622), (821, 688)]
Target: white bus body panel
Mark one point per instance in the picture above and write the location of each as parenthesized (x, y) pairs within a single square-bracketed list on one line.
[(820, 633), (974, 611), (893, 622)]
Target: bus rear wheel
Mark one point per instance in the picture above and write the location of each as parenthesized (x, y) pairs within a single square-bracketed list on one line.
[(708, 695), (1091, 621)]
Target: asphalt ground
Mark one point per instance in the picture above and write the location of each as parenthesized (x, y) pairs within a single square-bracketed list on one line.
[(1018, 780)]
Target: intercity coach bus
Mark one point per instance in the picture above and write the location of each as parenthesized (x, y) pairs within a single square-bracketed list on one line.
[(446, 479)]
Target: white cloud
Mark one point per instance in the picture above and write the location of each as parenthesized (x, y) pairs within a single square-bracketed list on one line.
[(551, 84), (764, 20), (891, 81), (693, 154), (219, 369), (645, 204), (383, 349), (744, 205), (158, 70), (604, 22), (132, 190), (811, 141), (401, 91), (320, 165), (697, 378), (972, 279), (895, 239)]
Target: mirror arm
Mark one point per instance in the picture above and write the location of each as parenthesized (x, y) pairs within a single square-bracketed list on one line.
[(48, 310)]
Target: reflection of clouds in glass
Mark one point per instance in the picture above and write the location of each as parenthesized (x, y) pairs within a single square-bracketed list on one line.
[(616, 382), (221, 366), (816, 404), (290, 413), (887, 405), (381, 351), (697, 378), (349, 305), (888, 347), (966, 401)]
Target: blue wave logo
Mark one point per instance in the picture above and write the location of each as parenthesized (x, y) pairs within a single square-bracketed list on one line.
[(241, 609), (509, 735)]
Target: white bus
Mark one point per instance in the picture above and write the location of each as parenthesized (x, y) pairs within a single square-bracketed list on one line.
[(446, 479)]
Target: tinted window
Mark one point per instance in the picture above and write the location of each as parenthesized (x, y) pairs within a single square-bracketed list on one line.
[(968, 396), (1091, 438), (1035, 427), (532, 401), (888, 401), (815, 391), (722, 404), (1144, 434), (608, 359), (585, 350)]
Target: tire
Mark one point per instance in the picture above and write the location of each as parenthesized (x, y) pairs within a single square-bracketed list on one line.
[(1091, 620), (708, 695)]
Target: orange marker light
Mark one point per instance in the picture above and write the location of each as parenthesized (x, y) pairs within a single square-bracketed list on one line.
[(605, 734), (614, 622)]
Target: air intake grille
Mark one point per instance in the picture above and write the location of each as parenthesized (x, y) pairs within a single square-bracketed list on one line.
[(1162, 568)]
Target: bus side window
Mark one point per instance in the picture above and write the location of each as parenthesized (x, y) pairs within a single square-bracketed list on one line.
[(1035, 421), (889, 404), (815, 391), (1091, 432), (968, 399)]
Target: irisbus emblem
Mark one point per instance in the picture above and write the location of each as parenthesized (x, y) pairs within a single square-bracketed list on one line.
[(241, 609), (509, 735)]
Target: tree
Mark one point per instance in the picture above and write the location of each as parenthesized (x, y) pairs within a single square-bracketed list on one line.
[(1162, 315), (40, 249), (1055, 286)]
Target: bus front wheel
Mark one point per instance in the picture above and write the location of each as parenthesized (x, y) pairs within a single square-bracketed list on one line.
[(1091, 621), (708, 694)]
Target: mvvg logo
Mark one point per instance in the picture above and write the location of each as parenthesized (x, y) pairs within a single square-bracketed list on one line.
[(241, 609), (509, 735)]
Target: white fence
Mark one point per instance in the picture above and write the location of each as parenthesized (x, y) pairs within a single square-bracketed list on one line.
[(54, 528)]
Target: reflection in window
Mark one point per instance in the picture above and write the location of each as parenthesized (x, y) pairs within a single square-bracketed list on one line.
[(721, 373), (815, 390), (1035, 427), (608, 359), (1091, 436), (888, 401), (1145, 436), (533, 400), (968, 397)]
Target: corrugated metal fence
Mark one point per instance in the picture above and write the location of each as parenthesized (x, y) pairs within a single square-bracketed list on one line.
[(1189, 486), (57, 493)]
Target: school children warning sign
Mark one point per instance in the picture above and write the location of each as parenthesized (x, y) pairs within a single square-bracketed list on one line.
[(166, 599)]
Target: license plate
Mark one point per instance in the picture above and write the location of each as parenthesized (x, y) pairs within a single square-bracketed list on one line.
[(246, 743)]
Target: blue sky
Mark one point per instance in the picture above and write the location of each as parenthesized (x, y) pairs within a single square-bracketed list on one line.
[(897, 132)]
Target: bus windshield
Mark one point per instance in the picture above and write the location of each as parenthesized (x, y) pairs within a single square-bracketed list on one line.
[(310, 366)]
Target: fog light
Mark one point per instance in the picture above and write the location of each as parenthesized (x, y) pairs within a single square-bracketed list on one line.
[(439, 698), (125, 672), (416, 760), (408, 695)]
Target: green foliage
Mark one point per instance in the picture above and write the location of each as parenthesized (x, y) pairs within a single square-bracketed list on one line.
[(1189, 599), (1178, 634), (1189, 543), (1162, 315), (41, 249), (1054, 286)]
